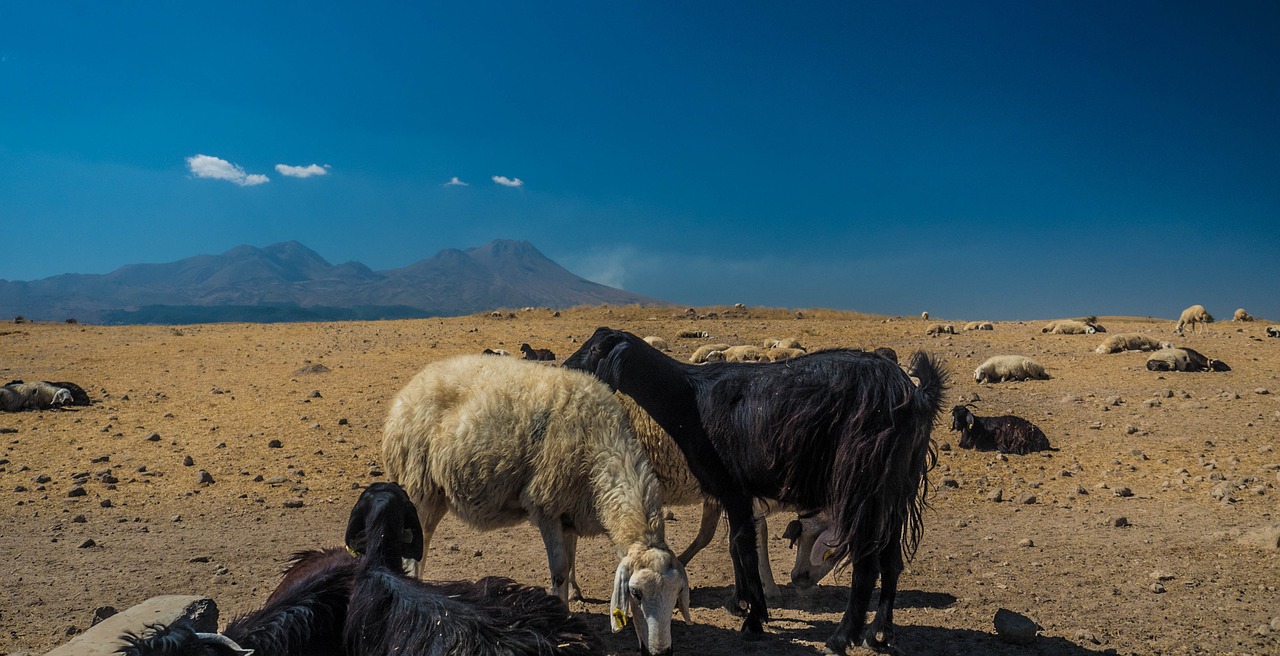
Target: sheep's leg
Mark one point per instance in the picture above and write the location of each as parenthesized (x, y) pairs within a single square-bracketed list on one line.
[(881, 634), (571, 552), (560, 563), (710, 518), (771, 592), (855, 613), (742, 549), (430, 511)]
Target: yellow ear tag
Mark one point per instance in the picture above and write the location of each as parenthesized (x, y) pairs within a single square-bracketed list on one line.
[(620, 617), (970, 425), (828, 554), (353, 552)]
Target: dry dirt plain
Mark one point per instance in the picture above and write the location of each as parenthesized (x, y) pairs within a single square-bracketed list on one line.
[(173, 401)]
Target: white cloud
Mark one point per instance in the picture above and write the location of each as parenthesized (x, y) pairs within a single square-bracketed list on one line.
[(204, 166), (302, 171), (508, 182), (455, 182)]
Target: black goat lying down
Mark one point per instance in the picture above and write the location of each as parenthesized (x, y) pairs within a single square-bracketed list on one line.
[(331, 603), (542, 355), (843, 431), (1006, 434)]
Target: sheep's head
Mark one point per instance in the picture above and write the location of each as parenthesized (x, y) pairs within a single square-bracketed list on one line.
[(810, 536), (61, 397), (649, 585)]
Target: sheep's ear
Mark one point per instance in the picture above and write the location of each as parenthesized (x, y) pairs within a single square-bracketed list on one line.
[(684, 604), (620, 603)]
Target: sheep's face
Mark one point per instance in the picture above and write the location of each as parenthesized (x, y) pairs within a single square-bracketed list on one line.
[(61, 397), (648, 586), (809, 536)]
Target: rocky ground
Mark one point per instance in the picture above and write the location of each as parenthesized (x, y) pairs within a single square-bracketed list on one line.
[(212, 452)]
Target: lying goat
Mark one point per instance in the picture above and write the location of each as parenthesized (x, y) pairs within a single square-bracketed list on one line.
[(1006, 434)]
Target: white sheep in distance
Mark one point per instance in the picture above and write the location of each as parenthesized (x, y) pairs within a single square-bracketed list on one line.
[(1183, 359), (779, 353), (32, 396), (744, 353), (658, 343), (1068, 327), (1241, 315), (999, 368), (790, 342), (1273, 331), (979, 325), (1194, 316), (681, 488), (924, 316), (1130, 342), (496, 441), (700, 355), (940, 329)]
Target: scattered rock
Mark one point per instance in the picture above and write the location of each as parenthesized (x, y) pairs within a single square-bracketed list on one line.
[(293, 503), (1266, 537), (950, 482), (188, 461), (1157, 587), (275, 444), (315, 394), (154, 437), (1027, 499), (1261, 390), (101, 613), (996, 496), (1015, 628), (88, 543), (1026, 542), (312, 369), (1123, 492), (1072, 399), (204, 478), (1120, 522), (76, 491)]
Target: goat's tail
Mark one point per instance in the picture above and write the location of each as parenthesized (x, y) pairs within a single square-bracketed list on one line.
[(927, 406)]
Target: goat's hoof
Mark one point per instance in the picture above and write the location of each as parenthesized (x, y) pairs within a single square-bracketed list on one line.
[(752, 630)]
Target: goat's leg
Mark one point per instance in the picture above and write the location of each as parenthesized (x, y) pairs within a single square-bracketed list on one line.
[(571, 552), (560, 563), (431, 509), (742, 549), (855, 614), (706, 531), (771, 592), (881, 633)]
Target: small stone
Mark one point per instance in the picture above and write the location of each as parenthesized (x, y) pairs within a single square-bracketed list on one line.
[(315, 394), (1261, 390), (996, 496), (1123, 492), (1120, 522), (88, 543), (204, 478), (106, 503), (477, 554), (947, 481), (1026, 542), (1114, 400), (944, 447), (293, 503), (1161, 576), (1130, 429), (1167, 394), (1080, 490), (79, 519), (76, 491), (1157, 587), (101, 613), (1072, 399), (1097, 425), (343, 421), (1151, 403), (275, 444), (1015, 628), (375, 472), (188, 461), (1027, 499), (670, 516), (154, 437)]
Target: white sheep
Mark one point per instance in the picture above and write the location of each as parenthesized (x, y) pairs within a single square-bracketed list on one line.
[(940, 329), (779, 353), (32, 396), (681, 488), (790, 343), (657, 342), (924, 316), (496, 441), (744, 353), (999, 368), (1130, 342), (700, 355), (979, 325), (1194, 316), (1241, 315), (1068, 327), (1273, 331)]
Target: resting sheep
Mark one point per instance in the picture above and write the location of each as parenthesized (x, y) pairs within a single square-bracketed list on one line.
[(979, 325), (495, 352), (1069, 327), (658, 343), (1273, 331), (1183, 359), (999, 368), (780, 353), (1241, 315), (843, 431), (32, 396), (940, 329), (499, 440), (790, 343), (744, 353), (1006, 433), (1130, 342), (1194, 316), (699, 356)]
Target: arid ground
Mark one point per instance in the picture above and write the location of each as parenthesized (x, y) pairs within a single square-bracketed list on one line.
[(1134, 537)]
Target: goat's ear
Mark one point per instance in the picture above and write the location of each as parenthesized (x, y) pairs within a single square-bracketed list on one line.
[(684, 603), (793, 532), (620, 603)]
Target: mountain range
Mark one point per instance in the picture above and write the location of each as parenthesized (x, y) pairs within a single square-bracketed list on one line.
[(290, 282)]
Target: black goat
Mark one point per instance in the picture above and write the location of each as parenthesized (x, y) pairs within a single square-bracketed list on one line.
[(392, 614), (842, 431), (1006, 434), (531, 353)]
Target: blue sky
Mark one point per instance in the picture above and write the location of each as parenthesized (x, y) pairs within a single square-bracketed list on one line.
[(979, 160)]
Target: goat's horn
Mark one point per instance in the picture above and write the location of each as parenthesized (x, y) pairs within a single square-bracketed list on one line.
[(224, 640)]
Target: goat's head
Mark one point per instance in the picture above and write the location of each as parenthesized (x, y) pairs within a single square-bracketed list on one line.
[(179, 639), (962, 420), (649, 585), (1218, 365), (600, 354), (385, 515), (810, 534)]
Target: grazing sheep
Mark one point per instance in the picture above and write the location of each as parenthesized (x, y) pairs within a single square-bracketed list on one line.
[(658, 343), (843, 431), (1068, 327), (780, 353), (1241, 315), (1006, 433), (979, 325), (1130, 342), (680, 488), (999, 368), (745, 353), (540, 355), (1183, 359), (495, 352), (940, 329), (1273, 331), (699, 356), (1194, 316), (32, 396), (924, 315), (496, 441)]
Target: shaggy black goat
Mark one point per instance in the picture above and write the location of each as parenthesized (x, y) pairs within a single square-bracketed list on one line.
[(326, 593), (1006, 434), (392, 614), (531, 353), (842, 431)]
